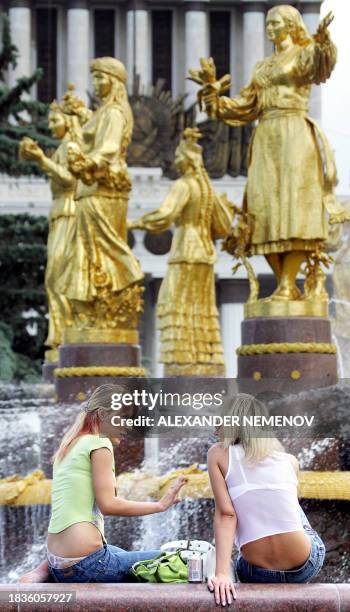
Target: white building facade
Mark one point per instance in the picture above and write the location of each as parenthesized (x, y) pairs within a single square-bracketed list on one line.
[(160, 39), (153, 38)]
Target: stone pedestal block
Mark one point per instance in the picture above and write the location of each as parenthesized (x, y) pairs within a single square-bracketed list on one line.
[(296, 349), (48, 371), (83, 367)]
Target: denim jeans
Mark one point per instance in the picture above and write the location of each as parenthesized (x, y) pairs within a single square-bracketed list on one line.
[(308, 570), (108, 564)]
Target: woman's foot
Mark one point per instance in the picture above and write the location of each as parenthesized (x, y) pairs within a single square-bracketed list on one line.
[(287, 289), (38, 574), (286, 292)]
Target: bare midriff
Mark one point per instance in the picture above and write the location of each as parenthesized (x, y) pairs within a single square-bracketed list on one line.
[(78, 540), (282, 551)]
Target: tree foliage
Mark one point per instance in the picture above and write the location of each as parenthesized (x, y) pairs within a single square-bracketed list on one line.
[(23, 326), (19, 116)]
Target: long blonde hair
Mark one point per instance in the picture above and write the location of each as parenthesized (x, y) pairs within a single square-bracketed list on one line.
[(257, 443), (294, 21), (88, 421)]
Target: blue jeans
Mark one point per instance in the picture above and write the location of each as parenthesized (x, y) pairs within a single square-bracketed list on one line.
[(109, 564), (308, 570)]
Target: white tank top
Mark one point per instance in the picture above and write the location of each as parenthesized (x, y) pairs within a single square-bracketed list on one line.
[(264, 495)]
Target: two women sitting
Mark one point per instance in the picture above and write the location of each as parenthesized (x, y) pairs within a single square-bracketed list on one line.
[(254, 482)]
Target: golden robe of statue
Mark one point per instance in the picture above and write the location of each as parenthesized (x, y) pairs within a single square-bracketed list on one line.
[(101, 275), (65, 125), (186, 308), (291, 174)]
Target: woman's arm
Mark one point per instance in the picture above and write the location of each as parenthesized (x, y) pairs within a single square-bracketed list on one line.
[(30, 150), (222, 218), (104, 488), (225, 521), (240, 110), (57, 172), (94, 166), (234, 111), (317, 60), (161, 219)]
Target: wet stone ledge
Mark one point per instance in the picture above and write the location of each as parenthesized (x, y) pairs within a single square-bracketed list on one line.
[(183, 597)]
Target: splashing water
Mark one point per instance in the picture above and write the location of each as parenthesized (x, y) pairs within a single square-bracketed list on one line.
[(32, 430)]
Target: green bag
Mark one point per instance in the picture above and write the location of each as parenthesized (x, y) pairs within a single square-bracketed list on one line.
[(167, 567)]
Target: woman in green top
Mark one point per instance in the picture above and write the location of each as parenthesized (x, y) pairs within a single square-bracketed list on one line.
[(83, 491)]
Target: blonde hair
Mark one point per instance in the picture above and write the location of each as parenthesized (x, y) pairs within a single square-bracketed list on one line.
[(87, 421), (294, 21), (257, 443)]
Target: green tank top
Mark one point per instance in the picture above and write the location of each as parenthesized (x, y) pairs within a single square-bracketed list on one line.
[(73, 498)]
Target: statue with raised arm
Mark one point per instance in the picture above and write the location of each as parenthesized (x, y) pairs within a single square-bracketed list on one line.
[(102, 276), (186, 308), (65, 120), (291, 176)]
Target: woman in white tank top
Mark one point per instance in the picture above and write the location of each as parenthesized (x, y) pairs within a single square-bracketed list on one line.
[(256, 507)]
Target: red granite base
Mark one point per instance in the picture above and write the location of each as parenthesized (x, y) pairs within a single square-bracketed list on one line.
[(48, 370), (183, 597), (307, 368), (73, 388)]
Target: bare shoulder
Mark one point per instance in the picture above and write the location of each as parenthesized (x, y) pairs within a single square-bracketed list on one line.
[(216, 451), (102, 454), (218, 463), (218, 457)]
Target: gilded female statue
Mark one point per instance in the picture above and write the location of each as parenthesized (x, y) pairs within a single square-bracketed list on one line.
[(186, 308), (102, 275), (291, 175), (65, 124)]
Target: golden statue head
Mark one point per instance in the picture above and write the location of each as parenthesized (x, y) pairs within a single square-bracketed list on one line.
[(284, 20), (109, 78), (110, 66), (188, 154), (64, 116)]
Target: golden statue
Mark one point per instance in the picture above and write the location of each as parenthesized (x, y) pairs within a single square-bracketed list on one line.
[(33, 489), (186, 309), (65, 121), (291, 174), (101, 277)]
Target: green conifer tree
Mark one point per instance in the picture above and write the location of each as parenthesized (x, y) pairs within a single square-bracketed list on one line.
[(19, 117)]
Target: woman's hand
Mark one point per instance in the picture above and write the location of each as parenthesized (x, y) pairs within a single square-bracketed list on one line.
[(171, 496), (322, 34), (137, 224), (210, 99), (29, 150), (223, 588)]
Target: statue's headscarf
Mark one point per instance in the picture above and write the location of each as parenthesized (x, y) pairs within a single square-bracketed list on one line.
[(119, 95), (292, 17), (111, 66), (189, 147)]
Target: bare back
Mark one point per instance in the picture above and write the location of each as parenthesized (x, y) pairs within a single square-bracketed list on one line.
[(281, 551), (78, 540)]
